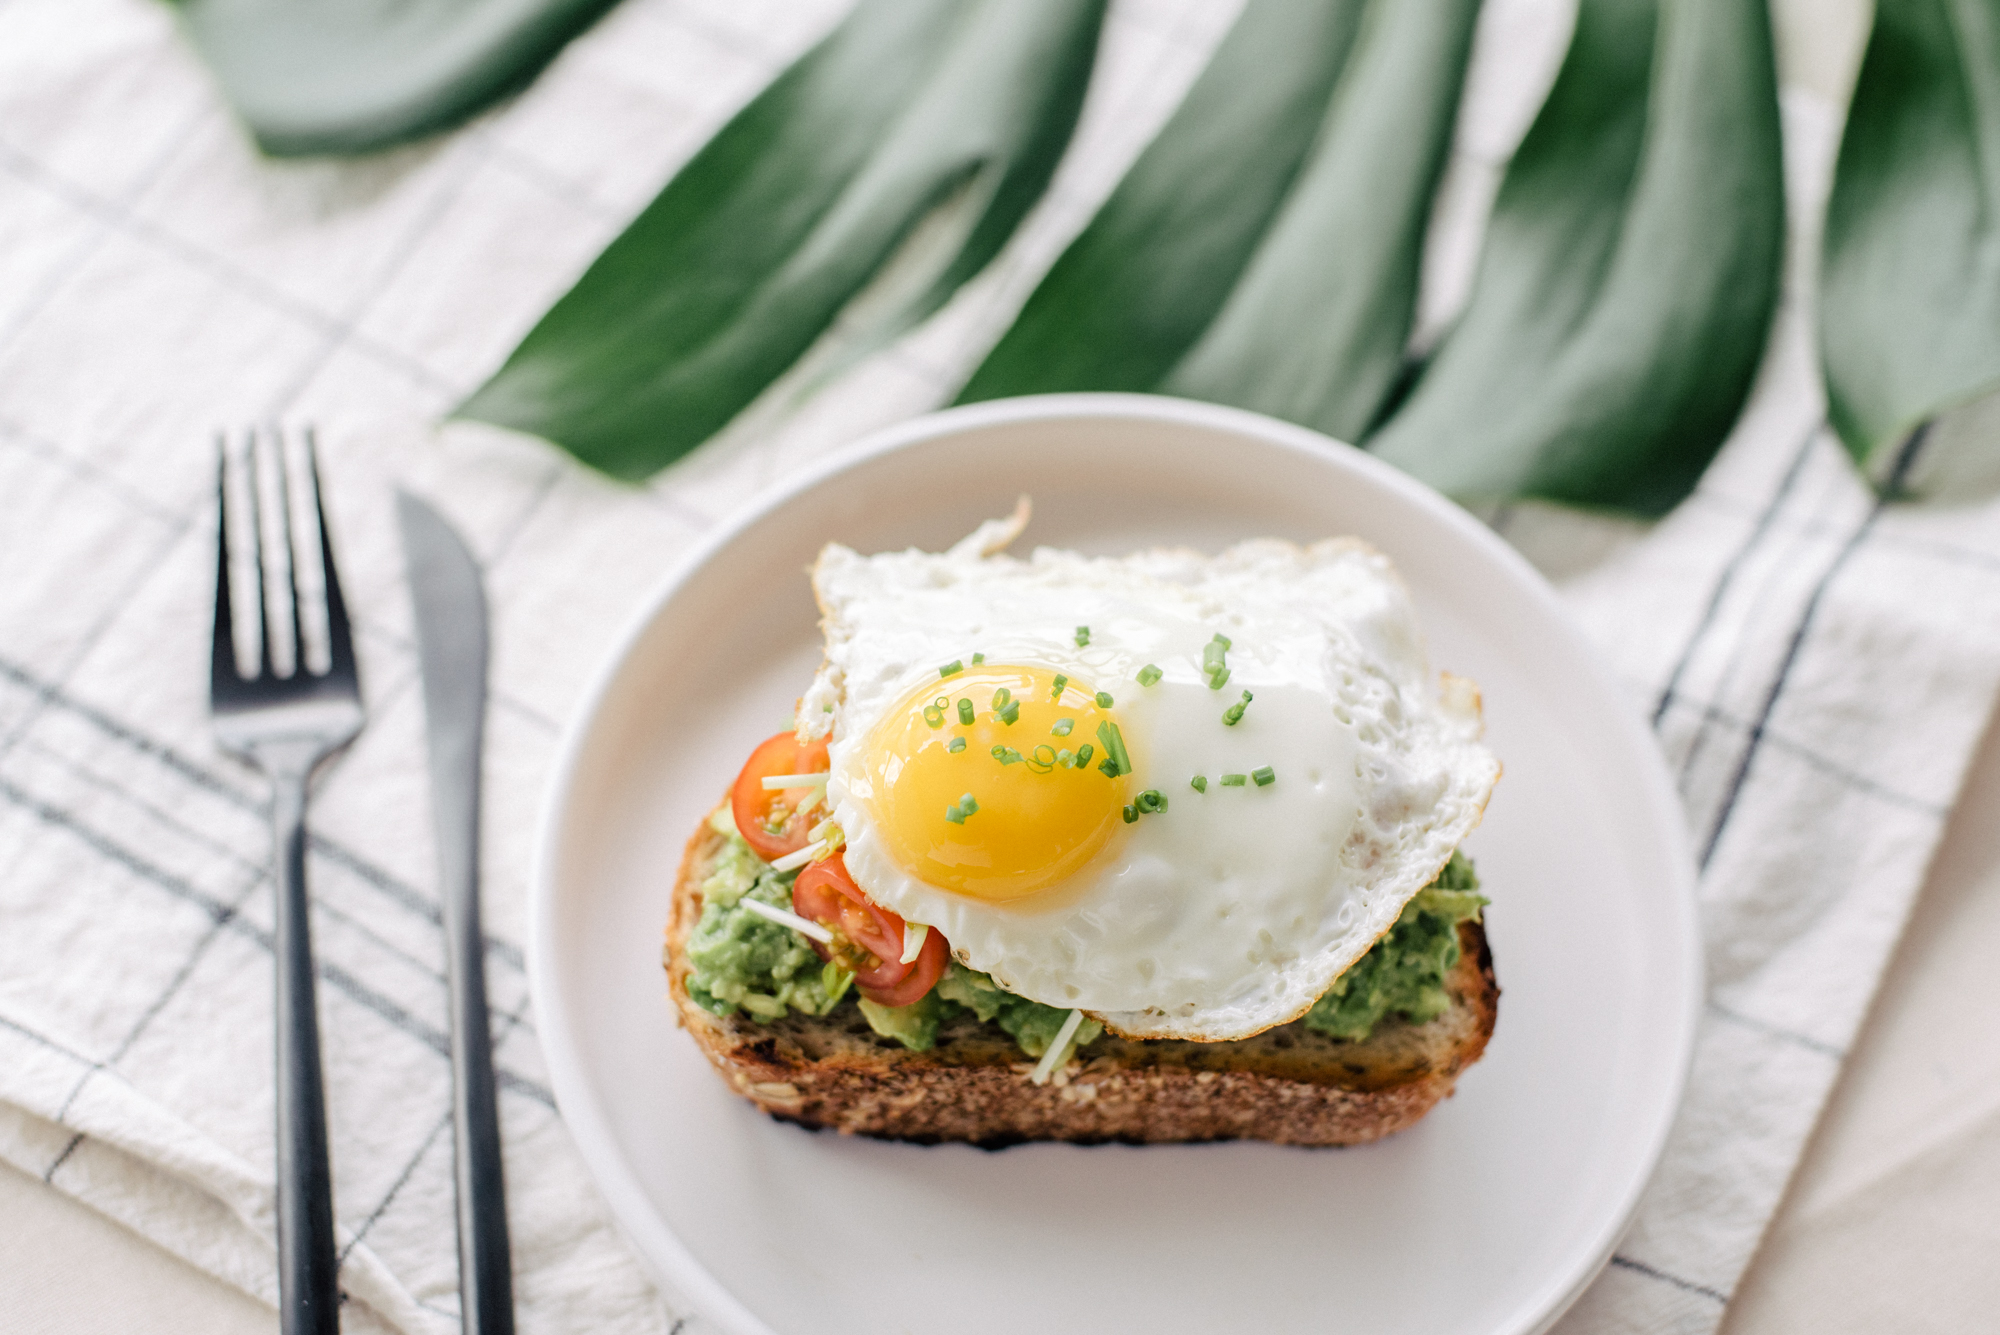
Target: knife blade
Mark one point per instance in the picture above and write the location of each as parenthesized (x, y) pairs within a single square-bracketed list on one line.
[(451, 651)]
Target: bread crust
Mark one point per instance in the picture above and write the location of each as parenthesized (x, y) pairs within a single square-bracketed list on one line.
[(1288, 1085)]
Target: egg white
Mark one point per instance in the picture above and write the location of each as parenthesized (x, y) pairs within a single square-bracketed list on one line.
[(1234, 909)]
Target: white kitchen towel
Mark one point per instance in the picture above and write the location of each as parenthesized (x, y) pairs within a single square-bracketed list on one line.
[(1818, 666)]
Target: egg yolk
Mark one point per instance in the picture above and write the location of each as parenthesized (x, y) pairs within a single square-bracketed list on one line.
[(1040, 807)]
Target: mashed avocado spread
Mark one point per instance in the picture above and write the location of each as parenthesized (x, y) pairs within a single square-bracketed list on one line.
[(738, 961), (1403, 973)]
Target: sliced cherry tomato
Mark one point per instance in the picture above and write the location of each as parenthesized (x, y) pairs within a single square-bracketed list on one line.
[(923, 975), (825, 893), (768, 819)]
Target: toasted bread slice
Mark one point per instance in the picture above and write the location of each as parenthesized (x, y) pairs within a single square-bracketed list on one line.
[(1291, 1084)]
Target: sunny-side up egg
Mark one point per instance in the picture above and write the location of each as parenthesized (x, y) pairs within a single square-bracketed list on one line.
[(999, 729)]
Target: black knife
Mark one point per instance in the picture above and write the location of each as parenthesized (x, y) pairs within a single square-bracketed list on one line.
[(451, 648)]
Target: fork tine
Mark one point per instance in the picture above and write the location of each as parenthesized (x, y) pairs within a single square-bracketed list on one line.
[(339, 637), (268, 665), (290, 548), (222, 670)]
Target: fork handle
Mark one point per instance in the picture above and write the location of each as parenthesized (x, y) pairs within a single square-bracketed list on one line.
[(308, 1286)]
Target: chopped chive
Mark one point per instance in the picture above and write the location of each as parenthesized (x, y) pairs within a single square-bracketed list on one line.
[(1066, 757), (954, 815), (1234, 714), (965, 711), (1265, 776), (1104, 700), (952, 668), (1082, 636), (1234, 780), (1108, 767), (977, 659), (968, 804), (1115, 756), (1083, 755), (1213, 661), (934, 716), (1058, 684), (1149, 674), (959, 810), (1199, 783), (1011, 712), (955, 745), (1131, 813), (1063, 725), (1000, 699), (1006, 755), (1150, 801)]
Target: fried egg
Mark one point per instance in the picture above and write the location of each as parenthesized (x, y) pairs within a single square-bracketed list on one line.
[(1180, 793)]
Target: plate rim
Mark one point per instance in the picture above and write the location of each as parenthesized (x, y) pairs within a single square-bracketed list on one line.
[(587, 1120)]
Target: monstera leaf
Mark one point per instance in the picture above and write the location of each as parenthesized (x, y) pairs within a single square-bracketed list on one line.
[(1910, 276), (1628, 275), (1263, 250), (346, 76), (919, 127)]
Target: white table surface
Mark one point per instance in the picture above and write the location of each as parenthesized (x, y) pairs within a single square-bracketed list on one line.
[(1891, 1223)]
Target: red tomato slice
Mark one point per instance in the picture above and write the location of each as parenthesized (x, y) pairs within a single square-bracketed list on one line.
[(825, 893), (923, 975), (768, 819)]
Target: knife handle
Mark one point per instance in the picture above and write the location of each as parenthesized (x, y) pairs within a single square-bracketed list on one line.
[(485, 1275)]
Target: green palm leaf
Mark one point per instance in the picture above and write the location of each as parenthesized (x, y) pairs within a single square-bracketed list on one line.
[(911, 110), (1910, 276), (1263, 251), (1629, 272), (347, 76), (1135, 289)]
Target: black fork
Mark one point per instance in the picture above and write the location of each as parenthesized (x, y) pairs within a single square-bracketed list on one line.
[(285, 722)]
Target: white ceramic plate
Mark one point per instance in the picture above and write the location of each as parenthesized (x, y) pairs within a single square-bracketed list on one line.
[(1489, 1216)]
